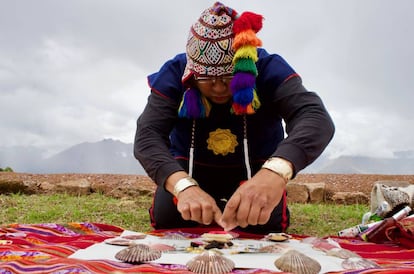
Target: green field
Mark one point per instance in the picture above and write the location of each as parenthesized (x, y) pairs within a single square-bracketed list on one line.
[(132, 213)]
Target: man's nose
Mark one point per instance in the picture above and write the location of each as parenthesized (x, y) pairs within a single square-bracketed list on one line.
[(219, 86)]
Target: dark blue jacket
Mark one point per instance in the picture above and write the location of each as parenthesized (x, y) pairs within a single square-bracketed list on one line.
[(162, 137)]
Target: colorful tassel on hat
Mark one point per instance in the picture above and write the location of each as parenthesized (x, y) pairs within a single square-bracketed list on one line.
[(245, 99), (194, 105)]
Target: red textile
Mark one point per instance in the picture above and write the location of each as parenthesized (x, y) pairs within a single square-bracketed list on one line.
[(44, 248)]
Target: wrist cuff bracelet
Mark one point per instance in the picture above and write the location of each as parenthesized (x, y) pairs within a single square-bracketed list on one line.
[(279, 166), (183, 184)]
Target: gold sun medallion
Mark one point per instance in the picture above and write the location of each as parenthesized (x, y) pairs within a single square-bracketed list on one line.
[(222, 141)]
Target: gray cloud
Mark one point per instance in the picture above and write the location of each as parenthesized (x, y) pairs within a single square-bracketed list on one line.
[(74, 71)]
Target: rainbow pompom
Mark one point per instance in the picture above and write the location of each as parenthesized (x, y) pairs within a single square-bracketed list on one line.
[(245, 99)]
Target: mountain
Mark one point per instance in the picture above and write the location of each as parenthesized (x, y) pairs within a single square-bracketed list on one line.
[(21, 158), (115, 157), (363, 165), (107, 156)]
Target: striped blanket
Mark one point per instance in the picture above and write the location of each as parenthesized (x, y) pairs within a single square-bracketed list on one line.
[(45, 248)]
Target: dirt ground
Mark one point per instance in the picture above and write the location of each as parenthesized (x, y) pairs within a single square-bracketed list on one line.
[(351, 182), (334, 182)]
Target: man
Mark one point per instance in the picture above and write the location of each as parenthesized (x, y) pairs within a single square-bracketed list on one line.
[(211, 135)]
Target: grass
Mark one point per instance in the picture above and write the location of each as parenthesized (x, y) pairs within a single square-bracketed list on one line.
[(324, 219), (64, 208), (132, 213)]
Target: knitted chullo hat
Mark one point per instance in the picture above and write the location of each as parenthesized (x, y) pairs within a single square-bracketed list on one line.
[(222, 43)]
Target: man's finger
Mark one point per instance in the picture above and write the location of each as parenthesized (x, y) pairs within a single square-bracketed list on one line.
[(228, 220), (217, 217)]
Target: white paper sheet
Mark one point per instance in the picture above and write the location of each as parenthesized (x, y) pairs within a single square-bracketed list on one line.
[(246, 260)]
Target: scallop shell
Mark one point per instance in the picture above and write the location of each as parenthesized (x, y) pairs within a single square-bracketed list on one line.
[(210, 262), (277, 237), (136, 236), (162, 247), (273, 248), (138, 253), (217, 236), (297, 262), (341, 253), (118, 241), (358, 263), (174, 236), (324, 244), (309, 240)]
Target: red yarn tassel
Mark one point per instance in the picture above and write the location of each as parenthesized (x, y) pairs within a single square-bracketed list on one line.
[(248, 20)]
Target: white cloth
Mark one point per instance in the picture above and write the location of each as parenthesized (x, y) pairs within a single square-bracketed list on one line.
[(245, 260)]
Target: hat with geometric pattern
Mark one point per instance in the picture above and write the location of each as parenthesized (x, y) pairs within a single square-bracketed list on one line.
[(209, 44), (221, 43)]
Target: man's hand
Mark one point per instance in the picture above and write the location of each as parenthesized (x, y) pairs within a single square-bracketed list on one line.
[(254, 201), (196, 205)]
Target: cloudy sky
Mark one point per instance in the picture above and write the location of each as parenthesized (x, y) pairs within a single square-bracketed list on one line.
[(75, 71)]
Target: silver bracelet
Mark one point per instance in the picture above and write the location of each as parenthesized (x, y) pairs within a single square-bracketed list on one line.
[(183, 184), (279, 166)]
